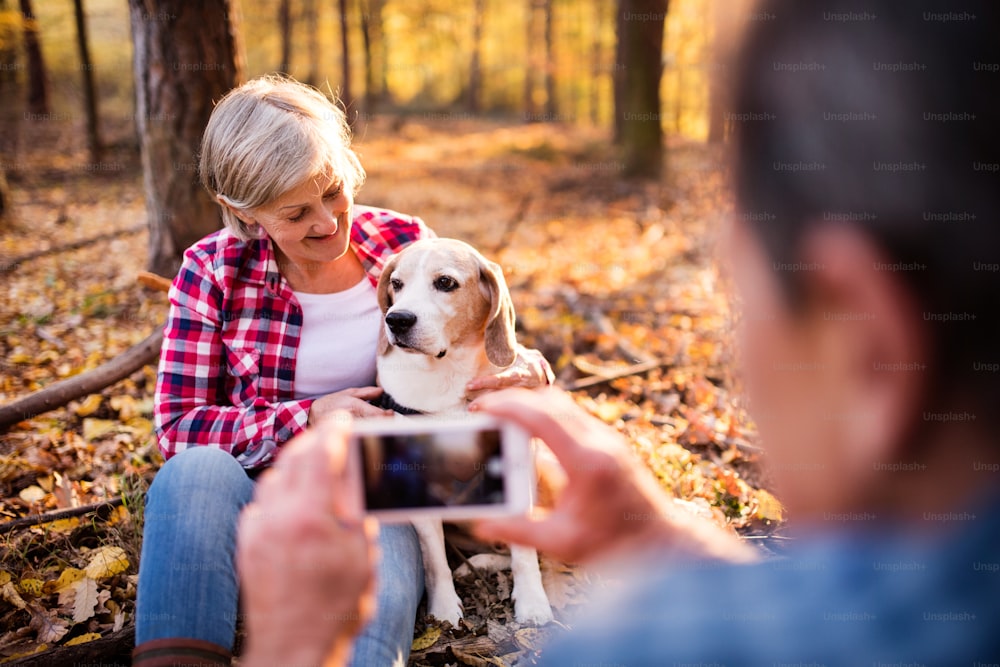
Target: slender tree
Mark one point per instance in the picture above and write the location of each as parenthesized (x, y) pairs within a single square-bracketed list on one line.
[(531, 63), (639, 69), (373, 40), (185, 57), (310, 19), (550, 66), (10, 25), (345, 62), (285, 26), (94, 143), (475, 64), (6, 214), (38, 89)]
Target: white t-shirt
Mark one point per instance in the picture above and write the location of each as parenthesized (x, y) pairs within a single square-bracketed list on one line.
[(338, 340)]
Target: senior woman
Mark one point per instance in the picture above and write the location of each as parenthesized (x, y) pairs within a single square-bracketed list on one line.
[(273, 323)]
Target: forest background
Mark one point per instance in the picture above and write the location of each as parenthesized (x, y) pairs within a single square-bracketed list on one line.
[(497, 122)]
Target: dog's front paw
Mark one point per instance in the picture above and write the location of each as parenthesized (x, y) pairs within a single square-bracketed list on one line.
[(445, 606), (531, 606)]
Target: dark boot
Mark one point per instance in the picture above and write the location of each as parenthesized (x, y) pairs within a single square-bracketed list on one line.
[(180, 653)]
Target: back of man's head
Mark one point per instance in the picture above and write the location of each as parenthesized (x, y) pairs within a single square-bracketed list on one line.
[(884, 115)]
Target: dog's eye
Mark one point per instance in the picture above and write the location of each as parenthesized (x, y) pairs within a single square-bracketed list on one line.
[(396, 284), (445, 284)]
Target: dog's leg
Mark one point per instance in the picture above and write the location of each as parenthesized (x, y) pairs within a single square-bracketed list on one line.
[(531, 604), (443, 602)]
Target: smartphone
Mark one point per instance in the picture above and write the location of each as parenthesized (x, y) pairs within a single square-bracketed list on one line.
[(451, 468)]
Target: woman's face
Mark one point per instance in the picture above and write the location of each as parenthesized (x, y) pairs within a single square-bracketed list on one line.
[(310, 224)]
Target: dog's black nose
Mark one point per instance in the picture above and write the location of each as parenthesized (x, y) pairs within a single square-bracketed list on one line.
[(400, 321)]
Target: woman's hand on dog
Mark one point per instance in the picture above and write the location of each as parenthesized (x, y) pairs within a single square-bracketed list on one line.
[(529, 370), (353, 401), (611, 507)]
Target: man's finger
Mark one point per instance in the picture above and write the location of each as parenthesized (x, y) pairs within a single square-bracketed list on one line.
[(364, 392), (548, 414), (553, 535)]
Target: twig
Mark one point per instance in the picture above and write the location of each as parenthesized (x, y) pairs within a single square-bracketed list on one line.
[(57, 515), (15, 262), (626, 371)]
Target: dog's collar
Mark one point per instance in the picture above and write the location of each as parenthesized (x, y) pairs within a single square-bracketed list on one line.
[(387, 402)]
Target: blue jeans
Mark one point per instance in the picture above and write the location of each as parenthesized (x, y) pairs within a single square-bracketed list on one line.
[(188, 586)]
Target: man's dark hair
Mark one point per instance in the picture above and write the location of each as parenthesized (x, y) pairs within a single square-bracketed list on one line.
[(883, 114)]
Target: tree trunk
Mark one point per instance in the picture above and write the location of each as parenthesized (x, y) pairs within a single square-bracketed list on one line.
[(310, 18), (94, 143), (637, 100), (8, 49), (718, 82), (475, 65), (6, 214), (366, 39), (597, 66), (551, 105), (531, 64), (38, 89), (346, 97), (186, 56), (285, 25)]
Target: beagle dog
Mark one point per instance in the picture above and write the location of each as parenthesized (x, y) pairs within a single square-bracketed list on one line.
[(447, 318)]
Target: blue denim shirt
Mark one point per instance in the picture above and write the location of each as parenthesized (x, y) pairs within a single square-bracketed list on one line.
[(865, 596)]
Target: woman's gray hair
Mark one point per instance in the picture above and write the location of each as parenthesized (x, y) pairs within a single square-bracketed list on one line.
[(269, 136)]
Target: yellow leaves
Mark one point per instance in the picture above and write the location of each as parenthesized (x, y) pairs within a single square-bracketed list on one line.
[(83, 639), (769, 508), (67, 578), (89, 405), (60, 525), (427, 639), (107, 562), (8, 591), (95, 429), (127, 407), (32, 587), (21, 358)]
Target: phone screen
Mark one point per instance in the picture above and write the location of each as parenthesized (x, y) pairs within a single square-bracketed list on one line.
[(426, 470)]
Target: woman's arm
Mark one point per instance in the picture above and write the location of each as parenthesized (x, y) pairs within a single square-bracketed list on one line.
[(191, 405)]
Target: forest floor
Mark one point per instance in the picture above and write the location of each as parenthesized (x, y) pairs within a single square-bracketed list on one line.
[(608, 278)]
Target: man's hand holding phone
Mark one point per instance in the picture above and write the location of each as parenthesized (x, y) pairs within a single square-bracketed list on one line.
[(305, 554), (451, 468)]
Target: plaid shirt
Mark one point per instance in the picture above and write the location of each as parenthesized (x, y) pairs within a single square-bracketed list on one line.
[(227, 366)]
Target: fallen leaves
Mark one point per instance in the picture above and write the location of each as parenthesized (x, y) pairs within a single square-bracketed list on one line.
[(107, 562), (76, 598)]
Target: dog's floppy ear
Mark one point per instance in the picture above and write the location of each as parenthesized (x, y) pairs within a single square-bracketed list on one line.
[(501, 344), (385, 300)]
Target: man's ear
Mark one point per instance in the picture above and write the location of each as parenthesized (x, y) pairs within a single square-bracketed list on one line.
[(867, 321), (501, 343)]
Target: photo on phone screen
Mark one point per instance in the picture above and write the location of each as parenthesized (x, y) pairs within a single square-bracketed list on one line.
[(449, 469)]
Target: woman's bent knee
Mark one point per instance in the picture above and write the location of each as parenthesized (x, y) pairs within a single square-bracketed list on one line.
[(201, 472)]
